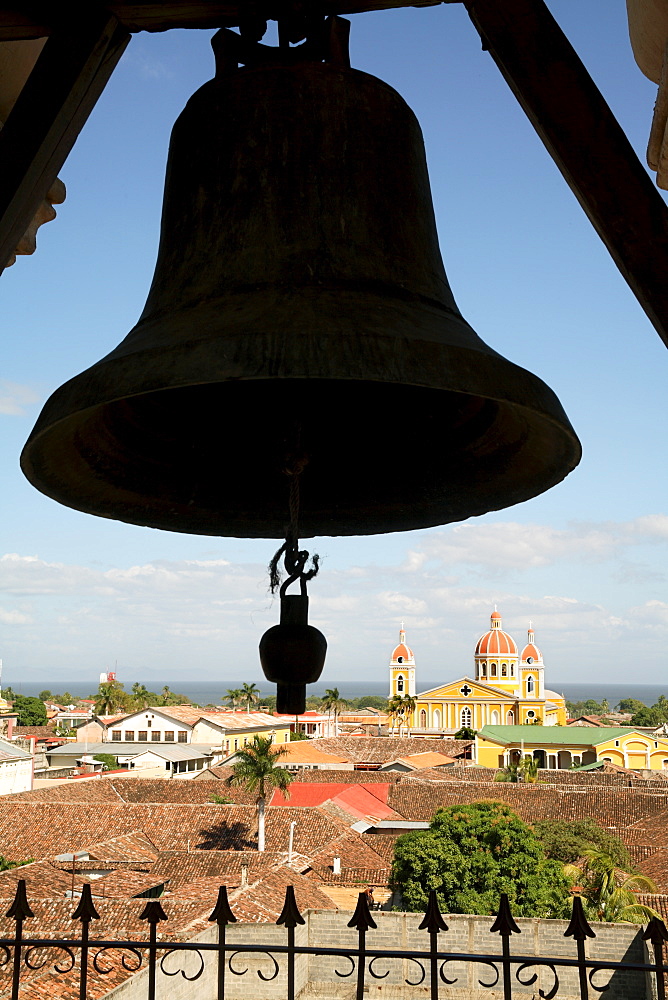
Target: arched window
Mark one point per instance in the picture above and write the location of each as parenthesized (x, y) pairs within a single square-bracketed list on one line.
[(484, 669), (466, 717), (400, 683), (495, 718), (504, 670), (437, 719), (512, 670), (530, 685), (493, 671), (400, 659), (423, 719), (510, 719)]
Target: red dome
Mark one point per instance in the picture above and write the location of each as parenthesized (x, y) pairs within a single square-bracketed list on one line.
[(403, 651), (531, 651), (496, 642)]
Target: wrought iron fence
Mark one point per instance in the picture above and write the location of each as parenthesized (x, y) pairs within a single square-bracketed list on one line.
[(504, 972)]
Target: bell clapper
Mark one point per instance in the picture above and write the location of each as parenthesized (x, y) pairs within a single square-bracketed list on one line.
[(292, 653)]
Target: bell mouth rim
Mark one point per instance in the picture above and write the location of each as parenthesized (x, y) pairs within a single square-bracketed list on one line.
[(358, 509)]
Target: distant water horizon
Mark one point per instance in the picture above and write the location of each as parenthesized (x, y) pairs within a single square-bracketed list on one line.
[(213, 692)]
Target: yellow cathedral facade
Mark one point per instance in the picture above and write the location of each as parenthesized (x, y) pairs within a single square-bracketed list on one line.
[(508, 688)]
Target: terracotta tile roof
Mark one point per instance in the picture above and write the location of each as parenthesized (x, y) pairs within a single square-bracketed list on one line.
[(134, 846), (381, 749), (183, 867), (317, 775), (616, 808), (45, 732), (40, 829), (118, 920), (354, 851), (227, 720), (44, 880), (426, 760), (123, 884), (263, 900), (304, 752), (655, 866), (658, 902)]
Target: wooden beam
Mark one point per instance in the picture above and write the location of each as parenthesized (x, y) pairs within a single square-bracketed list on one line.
[(69, 76), (585, 140), (29, 20)]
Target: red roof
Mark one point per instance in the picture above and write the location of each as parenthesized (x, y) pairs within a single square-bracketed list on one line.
[(531, 650), (403, 651), (359, 800), (496, 642)]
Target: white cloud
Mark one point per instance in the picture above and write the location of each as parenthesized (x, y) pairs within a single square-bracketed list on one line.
[(514, 546), (14, 617), (207, 615), (16, 398)]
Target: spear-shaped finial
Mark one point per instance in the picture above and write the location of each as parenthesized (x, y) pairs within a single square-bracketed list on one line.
[(579, 926), (85, 911), (504, 924), (432, 920), (20, 909), (361, 919), (290, 915), (222, 912)]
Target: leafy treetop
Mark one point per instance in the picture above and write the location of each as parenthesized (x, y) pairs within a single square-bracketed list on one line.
[(470, 855), (569, 840)]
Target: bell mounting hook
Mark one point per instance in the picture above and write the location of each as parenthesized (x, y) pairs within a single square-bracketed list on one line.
[(292, 653), (294, 558)]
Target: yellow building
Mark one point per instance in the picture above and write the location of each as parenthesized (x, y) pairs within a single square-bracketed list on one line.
[(508, 687), (567, 746)]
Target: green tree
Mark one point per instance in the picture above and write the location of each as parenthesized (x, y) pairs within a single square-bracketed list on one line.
[(233, 696), (608, 892), (295, 737), (511, 772), (31, 711), (6, 864), (256, 770), (219, 800), (648, 717), (141, 696), (110, 762), (569, 840), (465, 733), (631, 705), (250, 694), (44, 695), (369, 701), (470, 855), (528, 769), (111, 698)]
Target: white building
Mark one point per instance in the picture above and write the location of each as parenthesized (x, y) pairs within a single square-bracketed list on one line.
[(16, 769)]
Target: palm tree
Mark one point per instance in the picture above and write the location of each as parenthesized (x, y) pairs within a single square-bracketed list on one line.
[(609, 893), (528, 769), (401, 708), (250, 694), (234, 696), (333, 703), (110, 697), (140, 695), (256, 771)]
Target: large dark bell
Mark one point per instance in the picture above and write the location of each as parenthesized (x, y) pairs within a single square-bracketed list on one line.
[(299, 294), (292, 655)]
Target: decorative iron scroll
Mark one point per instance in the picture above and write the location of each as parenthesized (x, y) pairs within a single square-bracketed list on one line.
[(21, 952)]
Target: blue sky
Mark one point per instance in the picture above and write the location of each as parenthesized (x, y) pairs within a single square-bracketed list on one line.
[(586, 561)]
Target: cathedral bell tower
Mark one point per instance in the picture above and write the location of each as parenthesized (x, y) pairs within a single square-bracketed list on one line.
[(402, 668)]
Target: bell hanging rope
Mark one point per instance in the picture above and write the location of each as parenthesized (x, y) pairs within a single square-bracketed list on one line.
[(299, 279)]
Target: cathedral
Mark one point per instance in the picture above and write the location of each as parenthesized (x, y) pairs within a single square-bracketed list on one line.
[(508, 687)]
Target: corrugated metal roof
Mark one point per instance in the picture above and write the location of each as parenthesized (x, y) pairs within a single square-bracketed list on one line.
[(126, 749), (555, 734)]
